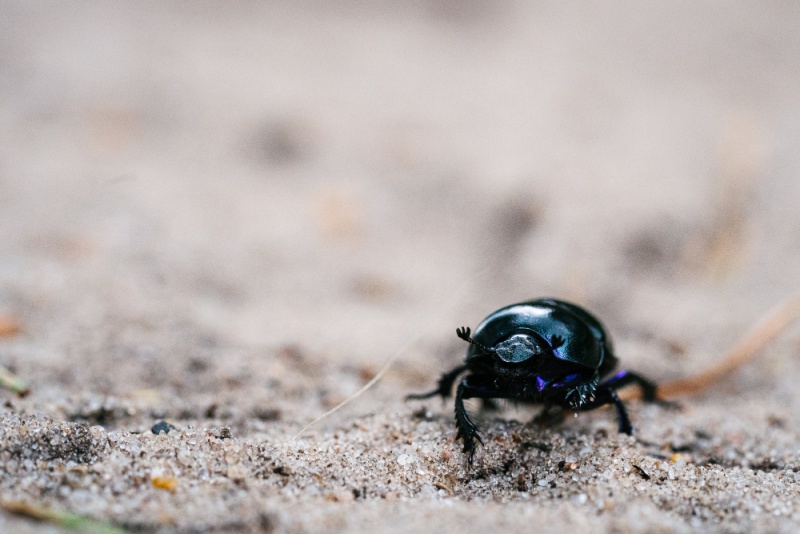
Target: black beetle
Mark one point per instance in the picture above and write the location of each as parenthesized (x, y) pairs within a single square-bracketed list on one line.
[(544, 351)]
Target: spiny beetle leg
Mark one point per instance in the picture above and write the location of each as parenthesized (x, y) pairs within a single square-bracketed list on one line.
[(445, 385), (471, 386)]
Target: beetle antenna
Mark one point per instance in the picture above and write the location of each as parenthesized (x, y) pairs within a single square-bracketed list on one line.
[(464, 332), (555, 342)]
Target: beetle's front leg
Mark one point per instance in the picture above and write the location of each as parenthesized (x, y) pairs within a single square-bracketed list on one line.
[(471, 386), (605, 394)]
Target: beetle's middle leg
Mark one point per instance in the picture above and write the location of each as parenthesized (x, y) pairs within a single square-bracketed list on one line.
[(648, 388), (625, 378), (445, 385)]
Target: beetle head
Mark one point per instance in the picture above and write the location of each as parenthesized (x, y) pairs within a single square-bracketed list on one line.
[(521, 348), (517, 349)]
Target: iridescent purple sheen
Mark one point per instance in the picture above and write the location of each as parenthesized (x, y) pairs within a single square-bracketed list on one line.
[(541, 384), (568, 380)]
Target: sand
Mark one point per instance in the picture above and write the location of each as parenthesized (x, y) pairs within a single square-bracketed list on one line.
[(232, 217)]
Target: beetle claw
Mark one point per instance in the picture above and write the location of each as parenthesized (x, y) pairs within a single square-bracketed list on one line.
[(470, 436)]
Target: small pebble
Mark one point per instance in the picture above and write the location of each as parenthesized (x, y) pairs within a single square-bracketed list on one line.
[(161, 426)]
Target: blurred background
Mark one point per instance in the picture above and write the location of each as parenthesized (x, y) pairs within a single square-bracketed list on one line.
[(243, 210)]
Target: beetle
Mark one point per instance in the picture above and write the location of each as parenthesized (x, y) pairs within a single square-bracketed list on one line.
[(545, 351)]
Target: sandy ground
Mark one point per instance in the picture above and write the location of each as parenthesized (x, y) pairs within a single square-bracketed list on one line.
[(231, 215)]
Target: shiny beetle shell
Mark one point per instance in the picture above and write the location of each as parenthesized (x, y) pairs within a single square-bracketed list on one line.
[(585, 340)]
